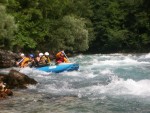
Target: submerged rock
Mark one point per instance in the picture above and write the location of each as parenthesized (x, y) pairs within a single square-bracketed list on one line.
[(16, 79), (13, 79)]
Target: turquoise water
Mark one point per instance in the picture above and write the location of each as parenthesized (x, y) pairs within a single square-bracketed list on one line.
[(105, 83)]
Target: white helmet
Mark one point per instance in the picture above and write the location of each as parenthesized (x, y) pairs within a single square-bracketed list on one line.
[(46, 53), (40, 54), (22, 54)]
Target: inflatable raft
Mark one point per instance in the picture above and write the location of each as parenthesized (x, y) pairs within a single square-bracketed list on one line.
[(59, 68)]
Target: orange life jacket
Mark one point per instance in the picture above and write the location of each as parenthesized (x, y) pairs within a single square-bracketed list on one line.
[(58, 55), (25, 61)]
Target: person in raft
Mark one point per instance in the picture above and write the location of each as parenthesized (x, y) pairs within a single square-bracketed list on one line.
[(60, 58), (47, 58), (23, 62), (42, 59), (39, 59), (31, 62)]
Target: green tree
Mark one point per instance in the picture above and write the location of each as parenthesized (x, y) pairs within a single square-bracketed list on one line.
[(42, 24), (7, 28), (71, 33), (121, 25)]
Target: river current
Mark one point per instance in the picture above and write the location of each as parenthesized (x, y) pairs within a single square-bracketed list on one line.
[(104, 83)]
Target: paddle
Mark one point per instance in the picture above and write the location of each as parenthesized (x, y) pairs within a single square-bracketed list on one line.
[(20, 61), (65, 56)]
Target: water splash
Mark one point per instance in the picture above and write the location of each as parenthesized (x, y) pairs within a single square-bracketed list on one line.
[(105, 82)]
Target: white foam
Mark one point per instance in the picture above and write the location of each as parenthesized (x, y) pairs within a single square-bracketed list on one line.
[(80, 56), (106, 72), (32, 86), (129, 86), (147, 55), (54, 89), (73, 73), (89, 75), (26, 70), (144, 56), (119, 87)]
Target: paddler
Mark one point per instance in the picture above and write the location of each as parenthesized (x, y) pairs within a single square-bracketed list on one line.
[(23, 62), (60, 58), (47, 58)]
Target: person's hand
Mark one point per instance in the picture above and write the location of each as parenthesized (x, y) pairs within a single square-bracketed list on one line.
[(17, 63)]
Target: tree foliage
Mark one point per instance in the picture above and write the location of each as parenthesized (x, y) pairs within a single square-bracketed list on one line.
[(78, 25), (121, 25), (7, 28), (52, 24)]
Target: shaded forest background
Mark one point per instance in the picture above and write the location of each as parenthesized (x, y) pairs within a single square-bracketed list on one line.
[(93, 26)]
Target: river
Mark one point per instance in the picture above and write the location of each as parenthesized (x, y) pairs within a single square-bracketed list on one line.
[(104, 83)]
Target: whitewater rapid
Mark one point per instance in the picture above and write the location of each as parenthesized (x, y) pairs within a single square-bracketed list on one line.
[(104, 83), (112, 74)]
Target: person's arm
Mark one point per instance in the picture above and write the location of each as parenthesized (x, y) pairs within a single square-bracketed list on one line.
[(19, 62), (66, 60), (48, 60)]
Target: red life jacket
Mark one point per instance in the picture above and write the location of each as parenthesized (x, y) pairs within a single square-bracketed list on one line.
[(60, 60)]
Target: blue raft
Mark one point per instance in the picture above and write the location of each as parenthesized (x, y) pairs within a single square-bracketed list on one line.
[(59, 68)]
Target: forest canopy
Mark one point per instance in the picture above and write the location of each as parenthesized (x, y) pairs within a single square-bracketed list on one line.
[(84, 26)]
